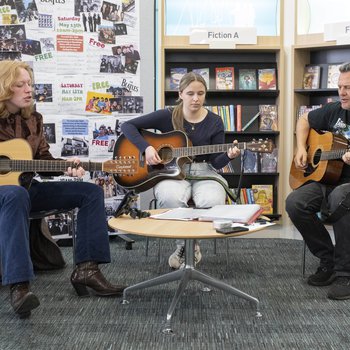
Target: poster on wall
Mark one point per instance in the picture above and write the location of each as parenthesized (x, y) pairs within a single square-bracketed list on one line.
[(86, 60)]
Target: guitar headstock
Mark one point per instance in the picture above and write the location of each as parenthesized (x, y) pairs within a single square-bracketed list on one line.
[(121, 166), (262, 146)]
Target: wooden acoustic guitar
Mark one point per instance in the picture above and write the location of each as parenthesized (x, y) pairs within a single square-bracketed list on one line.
[(175, 149), (16, 158), (324, 164)]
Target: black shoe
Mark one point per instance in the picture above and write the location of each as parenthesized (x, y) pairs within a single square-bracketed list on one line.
[(22, 299), (341, 289), (324, 276)]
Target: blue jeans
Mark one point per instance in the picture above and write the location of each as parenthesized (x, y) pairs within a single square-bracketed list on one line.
[(16, 203), (303, 204)]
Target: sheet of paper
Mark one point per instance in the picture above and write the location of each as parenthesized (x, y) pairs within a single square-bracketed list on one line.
[(185, 214)]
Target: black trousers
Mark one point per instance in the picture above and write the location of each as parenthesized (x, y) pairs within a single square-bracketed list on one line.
[(303, 206)]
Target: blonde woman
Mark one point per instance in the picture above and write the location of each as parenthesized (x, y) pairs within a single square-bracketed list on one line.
[(18, 120), (203, 128)]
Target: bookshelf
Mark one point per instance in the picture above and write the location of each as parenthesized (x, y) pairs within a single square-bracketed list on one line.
[(321, 54), (252, 58)]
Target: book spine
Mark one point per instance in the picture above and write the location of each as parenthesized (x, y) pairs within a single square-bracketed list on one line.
[(228, 117), (239, 118), (245, 197), (232, 117)]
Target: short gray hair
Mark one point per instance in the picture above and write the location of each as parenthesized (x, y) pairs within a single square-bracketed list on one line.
[(345, 67)]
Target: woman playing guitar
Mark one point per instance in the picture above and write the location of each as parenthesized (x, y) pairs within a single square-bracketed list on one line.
[(202, 128)]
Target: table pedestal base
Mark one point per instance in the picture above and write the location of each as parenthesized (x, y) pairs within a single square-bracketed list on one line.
[(184, 276)]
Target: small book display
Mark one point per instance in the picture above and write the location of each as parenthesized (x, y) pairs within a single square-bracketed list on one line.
[(333, 76), (204, 72), (268, 117), (250, 161), (263, 195), (268, 161), (224, 77), (311, 79), (247, 79), (267, 79), (176, 75), (306, 109)]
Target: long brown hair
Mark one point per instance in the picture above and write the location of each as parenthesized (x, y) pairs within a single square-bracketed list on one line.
[(9, 72), (178, 115)]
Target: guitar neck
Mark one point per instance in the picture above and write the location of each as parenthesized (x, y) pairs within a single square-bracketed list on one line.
[(207, 149), (333, 154), (46, 165)]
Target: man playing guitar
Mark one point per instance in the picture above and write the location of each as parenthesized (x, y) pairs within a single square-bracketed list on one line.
[(304, 204)]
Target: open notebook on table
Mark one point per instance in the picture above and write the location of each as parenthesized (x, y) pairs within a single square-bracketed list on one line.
[(241, 213)]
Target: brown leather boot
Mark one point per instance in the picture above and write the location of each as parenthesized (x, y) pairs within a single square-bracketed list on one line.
[(22, 299), (88, 274)]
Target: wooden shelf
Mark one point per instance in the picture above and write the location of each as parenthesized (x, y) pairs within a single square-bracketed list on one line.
[(317, 91), (177, 52), (250, 93)]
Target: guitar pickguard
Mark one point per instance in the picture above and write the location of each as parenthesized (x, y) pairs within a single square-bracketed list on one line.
[(169, 169)]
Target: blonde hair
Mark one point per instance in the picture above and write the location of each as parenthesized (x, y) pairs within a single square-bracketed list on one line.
[(178, 115), (9, 72)]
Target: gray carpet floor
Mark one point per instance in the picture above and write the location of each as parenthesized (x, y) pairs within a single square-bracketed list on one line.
[(295, 315)]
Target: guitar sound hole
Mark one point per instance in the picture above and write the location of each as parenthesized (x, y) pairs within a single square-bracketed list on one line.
[(166, 154), (317, 157)]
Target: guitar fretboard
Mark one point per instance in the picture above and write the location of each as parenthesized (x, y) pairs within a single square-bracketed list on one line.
[(333, 154), (44, 165), (207, 149)]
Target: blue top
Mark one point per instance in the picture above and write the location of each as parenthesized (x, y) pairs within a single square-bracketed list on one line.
[(210, 131)]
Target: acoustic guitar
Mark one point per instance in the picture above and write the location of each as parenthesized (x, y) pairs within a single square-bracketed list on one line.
[(324, 164), (16, 158), (175, 149)]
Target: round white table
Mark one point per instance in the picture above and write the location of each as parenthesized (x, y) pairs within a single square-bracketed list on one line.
[(189, 231)]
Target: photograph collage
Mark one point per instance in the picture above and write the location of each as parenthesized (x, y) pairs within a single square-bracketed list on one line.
[(83, 106)]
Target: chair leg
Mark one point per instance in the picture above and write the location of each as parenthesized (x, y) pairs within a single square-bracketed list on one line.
[(152, 205), (72, 220), (303, 258), (147, 244), (159, 258), (227, 251), (215, 246)]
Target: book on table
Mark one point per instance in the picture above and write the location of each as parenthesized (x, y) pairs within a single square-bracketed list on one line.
[(240, 213)]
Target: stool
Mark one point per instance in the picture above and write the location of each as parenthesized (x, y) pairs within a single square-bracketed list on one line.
[(303, 252)]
